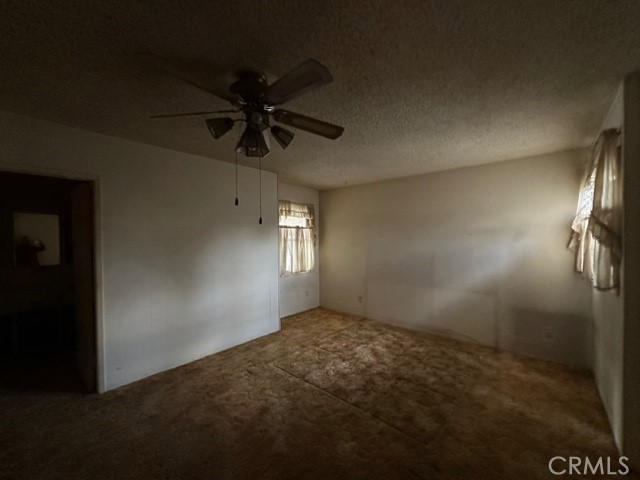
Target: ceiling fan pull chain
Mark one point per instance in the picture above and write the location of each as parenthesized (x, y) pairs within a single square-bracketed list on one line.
[(237, 170), (260, 188), (237, 179)]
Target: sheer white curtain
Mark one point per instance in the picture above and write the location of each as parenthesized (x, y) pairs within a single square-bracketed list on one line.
[(596, 236), (297, 237)]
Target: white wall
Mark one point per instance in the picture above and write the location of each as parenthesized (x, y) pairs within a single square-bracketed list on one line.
[(182, 272), (477, 252), (609, 324), (301, 291)]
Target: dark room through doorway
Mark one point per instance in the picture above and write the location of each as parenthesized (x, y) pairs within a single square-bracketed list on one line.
[(47, 284)]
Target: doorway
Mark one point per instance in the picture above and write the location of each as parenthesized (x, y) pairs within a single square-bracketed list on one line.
[(47, 284)]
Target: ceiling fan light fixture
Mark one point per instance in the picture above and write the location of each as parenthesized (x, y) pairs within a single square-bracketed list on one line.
[(219, 126), (252, 143), (283, 136), (251, 95)]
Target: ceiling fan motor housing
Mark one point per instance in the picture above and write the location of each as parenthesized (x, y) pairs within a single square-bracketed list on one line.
[(250, 88)]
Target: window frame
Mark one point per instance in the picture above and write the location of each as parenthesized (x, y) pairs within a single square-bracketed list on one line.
[(313, 240)]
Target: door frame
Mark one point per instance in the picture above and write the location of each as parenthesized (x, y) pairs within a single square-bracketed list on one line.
[(97, 254)]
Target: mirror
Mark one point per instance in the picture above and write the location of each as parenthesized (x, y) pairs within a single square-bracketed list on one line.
[(36, 239)]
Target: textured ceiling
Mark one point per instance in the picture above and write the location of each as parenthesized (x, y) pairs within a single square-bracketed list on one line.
[(419, 85)]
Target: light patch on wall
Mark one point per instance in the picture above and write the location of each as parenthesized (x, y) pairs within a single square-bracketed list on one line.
[(446, 280), (478, 253)]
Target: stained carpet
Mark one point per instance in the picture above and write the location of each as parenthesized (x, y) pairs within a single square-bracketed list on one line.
[(331, 396)]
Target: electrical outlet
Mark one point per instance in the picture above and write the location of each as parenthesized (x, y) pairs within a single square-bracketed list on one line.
[(549, 333), (306, 293)]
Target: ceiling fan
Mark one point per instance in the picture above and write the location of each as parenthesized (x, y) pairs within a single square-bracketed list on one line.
[(251, 95)]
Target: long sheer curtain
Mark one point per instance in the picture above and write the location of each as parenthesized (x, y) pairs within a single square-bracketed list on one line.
[(297, 237), (596, 236)]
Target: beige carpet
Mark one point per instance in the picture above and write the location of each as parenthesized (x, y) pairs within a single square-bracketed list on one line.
[(329, 397)]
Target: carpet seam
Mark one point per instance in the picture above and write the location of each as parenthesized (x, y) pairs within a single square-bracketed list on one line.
[(351, 405)]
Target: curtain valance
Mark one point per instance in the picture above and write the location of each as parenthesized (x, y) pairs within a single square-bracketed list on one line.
[(296, 214)]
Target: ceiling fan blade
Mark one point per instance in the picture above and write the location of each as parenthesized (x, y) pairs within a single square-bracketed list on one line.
[(187, 75), (170, 115), (311, 125), (308, 76)]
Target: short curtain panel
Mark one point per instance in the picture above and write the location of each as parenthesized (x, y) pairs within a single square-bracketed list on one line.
[(297, 223)]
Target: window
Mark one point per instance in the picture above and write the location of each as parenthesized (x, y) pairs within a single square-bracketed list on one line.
[(597, 225), (297, 237)]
